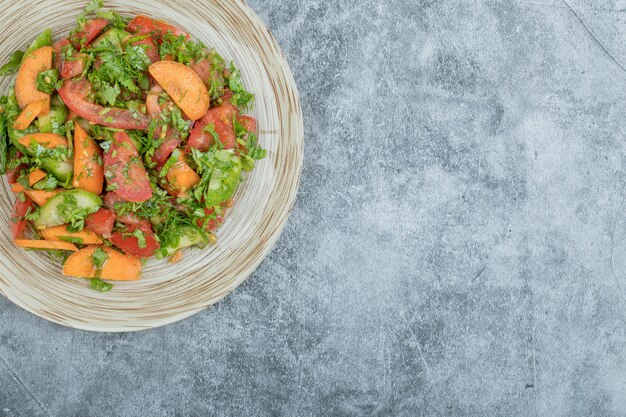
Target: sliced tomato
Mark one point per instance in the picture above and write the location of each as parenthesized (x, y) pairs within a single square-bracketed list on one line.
[(203, 69), (74, 66), (18, 224), (211, 225), (248, 123), (145, 25), (125, 171), (227, 97), (152, 101), (150, 47), (165, 149), (58, 53), (89, 32), (130, 244), (222, 119), (101, 222), (74, 94), (127, 218)]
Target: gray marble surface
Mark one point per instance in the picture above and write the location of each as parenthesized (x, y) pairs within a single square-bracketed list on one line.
[(458, 246)]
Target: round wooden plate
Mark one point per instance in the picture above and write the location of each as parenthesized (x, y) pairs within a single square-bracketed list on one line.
[(170, 292)]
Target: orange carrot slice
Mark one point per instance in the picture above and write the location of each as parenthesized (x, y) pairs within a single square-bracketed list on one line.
[(60, 233), (30, 112), (41, 197), (118, 266), (182, 177), (176, 257), (36, 176), (17, 188), (49, 140), (45, 244), (183, 85), (26, 82), (88, 168)]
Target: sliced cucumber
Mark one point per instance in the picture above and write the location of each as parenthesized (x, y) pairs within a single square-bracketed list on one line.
[(185, 236), (114, 36), (66, 207), (61, 169), (54, 121)]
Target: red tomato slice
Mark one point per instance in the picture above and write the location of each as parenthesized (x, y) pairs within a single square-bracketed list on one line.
[(18, 224), (150, 48), (144, 25), (124, 169), (101, 222), (152, 101), (58, 53), (171, 142), (127, 218), (130, 244), (202, 68), (222, 119), (211, 224), (91, 29), (248, 123), (73, 67), (227, 97), (74, 94)]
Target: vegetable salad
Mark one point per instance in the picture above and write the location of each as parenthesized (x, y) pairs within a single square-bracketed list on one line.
[(124, 140)]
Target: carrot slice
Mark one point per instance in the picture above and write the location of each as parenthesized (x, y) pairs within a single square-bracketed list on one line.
[(17, 188), (36, 176), (183, 85), (45, 244), (41, 197), (118, 266), (30, 112), (88, 168), (176, 257), (60, 233), (49, 140), (182, 177), (26, 82)]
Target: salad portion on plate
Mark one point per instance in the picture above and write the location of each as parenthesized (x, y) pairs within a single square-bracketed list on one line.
[(124, 140)]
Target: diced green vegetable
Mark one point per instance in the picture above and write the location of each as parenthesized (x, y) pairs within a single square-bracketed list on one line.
[(112, 36), (61, 169), (68, 207), (182, 236), (54, 121)]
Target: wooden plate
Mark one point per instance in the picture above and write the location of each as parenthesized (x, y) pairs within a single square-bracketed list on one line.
[(167, 292)]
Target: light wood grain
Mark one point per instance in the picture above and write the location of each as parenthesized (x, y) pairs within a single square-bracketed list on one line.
[(171, 292)]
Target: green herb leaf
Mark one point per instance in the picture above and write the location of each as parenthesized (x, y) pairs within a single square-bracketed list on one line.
[(44, 39), (99, 257), (71, 239), (141, 238), (48, 81), (94, 6), (98, 285), (13, 63), (3, 144)]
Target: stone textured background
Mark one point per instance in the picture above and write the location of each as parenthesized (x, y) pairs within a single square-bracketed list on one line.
[(458, 246)]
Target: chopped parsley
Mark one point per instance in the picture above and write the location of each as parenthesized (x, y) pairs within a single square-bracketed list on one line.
[(48, 81), (13, 63), (98, 285)]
